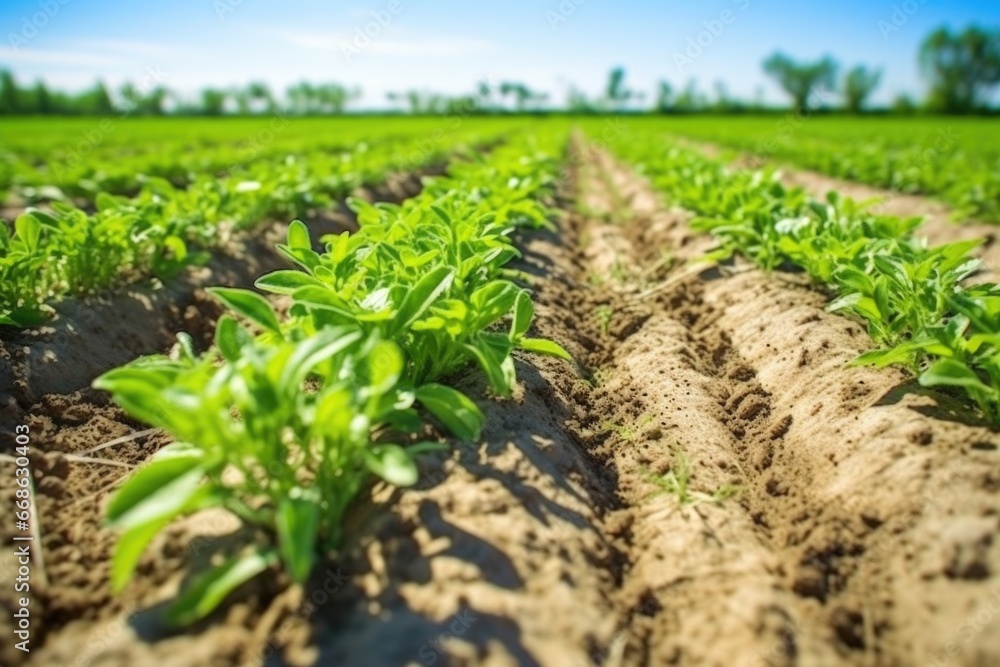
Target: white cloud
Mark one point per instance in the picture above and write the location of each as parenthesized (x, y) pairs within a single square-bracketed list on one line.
[(310, 40), (433, 47), (60, 58), (430, 47), (125, 46)]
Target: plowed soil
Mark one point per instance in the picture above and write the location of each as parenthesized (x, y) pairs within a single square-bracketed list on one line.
[(833, 515)]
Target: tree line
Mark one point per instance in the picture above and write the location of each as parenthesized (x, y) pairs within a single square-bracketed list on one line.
[(960, 68)]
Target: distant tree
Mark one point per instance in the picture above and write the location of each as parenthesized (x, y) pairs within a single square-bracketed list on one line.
[(690, 100), (44, 104), (144, 104), (577, 101), (420, 103), (98, 100), (523, 96), (859, 83), (332, 98), (213, 101), (130, 97), (242, 98), (616, 94), (903, 105), (411, 98), (10, 95), (154, 102), (435, 103), (463, 105), (724, 103), (329, 98), (415, 101), (664, 97), (258, 92), (960, 67), (800, 80), (300, 97), (484, 96)]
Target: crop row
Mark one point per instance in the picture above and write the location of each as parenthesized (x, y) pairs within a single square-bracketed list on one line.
[(76, 163), (69, 252), (79, 178), (290, 415), (957, 160), (912, 296)]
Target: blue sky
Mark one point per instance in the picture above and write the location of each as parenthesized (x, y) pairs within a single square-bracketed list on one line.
[(449, 45)]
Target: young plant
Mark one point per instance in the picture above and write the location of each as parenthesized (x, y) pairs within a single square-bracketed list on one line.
[(282, 433), (677, 482), (963, 353), (627, 432), (604, 315), (436, 297)]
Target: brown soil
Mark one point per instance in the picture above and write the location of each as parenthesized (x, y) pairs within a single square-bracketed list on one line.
[(863, 533)]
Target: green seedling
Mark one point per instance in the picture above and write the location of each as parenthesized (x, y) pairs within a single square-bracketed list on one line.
[(252, 438), (677, 482), (619, 272), (604, 315), (627, 432)]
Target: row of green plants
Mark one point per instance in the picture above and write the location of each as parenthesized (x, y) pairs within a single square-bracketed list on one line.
[(919, 309), (971, 187), (67, 159), (291, 414), (71, 176), (67, 252), (956, 160)]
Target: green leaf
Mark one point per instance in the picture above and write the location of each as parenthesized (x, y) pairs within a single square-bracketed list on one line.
[(231, 338), (285, 281), (298, 235), (211, 588), (139, 391), (324, 298), (248, 304), (405, 421), (423, 294), (129, 549), (28, 230), (391, 463), (159, 489), (546, 347), (883, 358), (492, 365), (307, 258), (524, 311), (28, 316), (297, 525), (313, 351), (426, 447), (953, 373), (454, 409), (385, 366), (493, 301)]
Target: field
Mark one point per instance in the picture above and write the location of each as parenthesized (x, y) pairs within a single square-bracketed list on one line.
[(514, 390)]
